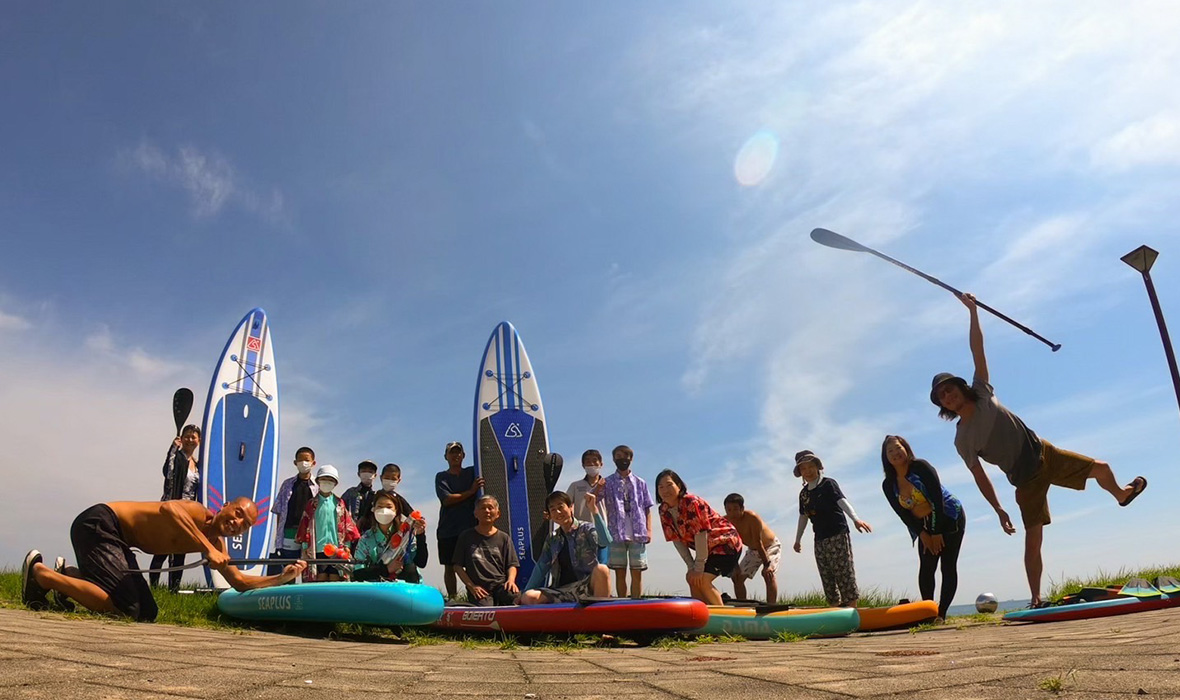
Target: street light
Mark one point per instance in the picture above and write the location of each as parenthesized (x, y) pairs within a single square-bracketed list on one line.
[(1142, 258)]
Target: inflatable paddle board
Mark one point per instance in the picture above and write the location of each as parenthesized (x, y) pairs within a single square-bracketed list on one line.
[(376, 603), (240, 445), (767, 621), (897, 616), (1136, 596), (611, 616), (512, 443)]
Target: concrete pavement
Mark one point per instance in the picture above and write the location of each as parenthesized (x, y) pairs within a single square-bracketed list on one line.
[(46, 656)]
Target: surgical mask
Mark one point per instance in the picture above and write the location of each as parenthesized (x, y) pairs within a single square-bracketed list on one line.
[(326, 486), (389, 484), (383, 515), (367, 478), (593, 471), (303, 467)]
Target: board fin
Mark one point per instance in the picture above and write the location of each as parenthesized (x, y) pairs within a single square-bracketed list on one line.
[(1167, 584), (1139, 588)]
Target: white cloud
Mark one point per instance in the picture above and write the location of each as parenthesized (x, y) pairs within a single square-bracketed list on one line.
[(211, 182), (1152, 141), (12, 322)]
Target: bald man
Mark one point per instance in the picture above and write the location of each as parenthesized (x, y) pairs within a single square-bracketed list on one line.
[(103, 536)]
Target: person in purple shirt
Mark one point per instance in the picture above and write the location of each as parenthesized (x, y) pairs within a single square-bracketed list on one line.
[(628, 516)]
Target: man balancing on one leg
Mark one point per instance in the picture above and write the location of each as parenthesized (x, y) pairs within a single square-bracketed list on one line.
[(989, 430), (103, 536)]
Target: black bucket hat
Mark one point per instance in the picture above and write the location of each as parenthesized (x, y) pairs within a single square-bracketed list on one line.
[(943, 378), (807, 456)]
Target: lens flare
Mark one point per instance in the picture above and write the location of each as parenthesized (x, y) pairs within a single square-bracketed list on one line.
[(756, 158)]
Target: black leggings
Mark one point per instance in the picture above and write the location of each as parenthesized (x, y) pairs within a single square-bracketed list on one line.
[(949, 557)]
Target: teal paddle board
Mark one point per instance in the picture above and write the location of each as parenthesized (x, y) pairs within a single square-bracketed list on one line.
[(376, 603)]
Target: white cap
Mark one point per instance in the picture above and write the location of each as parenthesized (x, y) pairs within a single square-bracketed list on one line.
[(329, 471)]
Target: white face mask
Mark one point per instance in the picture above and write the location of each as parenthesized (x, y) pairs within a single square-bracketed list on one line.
[(383, 515), (367, 478), (303, 467), (389, 484), (593, 472), (326, 486)]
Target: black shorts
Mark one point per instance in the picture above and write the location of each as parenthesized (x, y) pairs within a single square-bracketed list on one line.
[(105, 559), (721, 564), (446, 549), (498, 595)]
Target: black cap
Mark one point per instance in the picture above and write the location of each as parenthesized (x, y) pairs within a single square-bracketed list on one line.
[(943, 378), (807, 456)]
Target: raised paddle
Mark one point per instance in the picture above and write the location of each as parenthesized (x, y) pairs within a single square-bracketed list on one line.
[(834, 240), (182, 405), (244, 562)]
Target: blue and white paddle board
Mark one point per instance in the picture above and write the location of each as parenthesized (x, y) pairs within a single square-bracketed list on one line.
[(512, 442), (240, 449)]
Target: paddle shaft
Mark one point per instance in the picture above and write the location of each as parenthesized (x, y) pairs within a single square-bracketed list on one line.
[(244, 562), (933, 280)]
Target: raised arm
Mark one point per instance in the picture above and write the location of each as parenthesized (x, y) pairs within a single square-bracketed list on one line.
[(246, 582), (976, 339)]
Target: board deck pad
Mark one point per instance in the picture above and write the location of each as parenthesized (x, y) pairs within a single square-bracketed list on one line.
[(512, 443), (240, 446)]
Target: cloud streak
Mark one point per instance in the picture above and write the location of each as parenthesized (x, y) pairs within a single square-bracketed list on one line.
[(211, 183)]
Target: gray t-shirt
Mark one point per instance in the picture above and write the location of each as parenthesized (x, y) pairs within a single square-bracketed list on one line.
[(577, 492), (998, 436)]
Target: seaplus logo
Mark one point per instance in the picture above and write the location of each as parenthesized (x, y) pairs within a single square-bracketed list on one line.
[(275, 603), (513, 431), (237, 543), (520, 543)]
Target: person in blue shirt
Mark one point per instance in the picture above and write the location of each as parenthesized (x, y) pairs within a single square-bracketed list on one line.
[(929, 512), (567, 569)]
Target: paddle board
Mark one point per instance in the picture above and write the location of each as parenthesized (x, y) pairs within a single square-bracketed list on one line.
[(512, 443), (767, 621), (613, 616), (239, 452), (1137, 596), (897, 616), (375, 603)]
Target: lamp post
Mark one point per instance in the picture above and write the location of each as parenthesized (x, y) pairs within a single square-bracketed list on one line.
[(1142, 258)]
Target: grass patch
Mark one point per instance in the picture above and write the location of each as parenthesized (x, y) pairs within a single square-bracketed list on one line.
[(924, 627), (509, 643), (670, 643), (1055, 684), (787, 637), (871, 598)]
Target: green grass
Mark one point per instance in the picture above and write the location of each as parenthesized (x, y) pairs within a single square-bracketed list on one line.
[(870, 598), (785, 637), (670, 643), (1055, 684)]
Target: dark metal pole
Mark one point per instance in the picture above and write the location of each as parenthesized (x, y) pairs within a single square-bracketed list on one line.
[(1159, 319)]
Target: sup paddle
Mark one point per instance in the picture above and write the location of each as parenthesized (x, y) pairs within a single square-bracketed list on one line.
[(832, 239), (182, 405)]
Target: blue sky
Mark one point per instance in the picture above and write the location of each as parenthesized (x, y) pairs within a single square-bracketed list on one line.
[(632, 187)]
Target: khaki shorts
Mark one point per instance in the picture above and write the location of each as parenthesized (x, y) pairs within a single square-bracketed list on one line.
[(1058, 468)]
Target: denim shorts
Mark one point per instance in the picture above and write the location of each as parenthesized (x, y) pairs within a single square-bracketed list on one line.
[(628, 555)]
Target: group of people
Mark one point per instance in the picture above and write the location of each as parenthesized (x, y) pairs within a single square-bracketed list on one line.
[(598, 524)]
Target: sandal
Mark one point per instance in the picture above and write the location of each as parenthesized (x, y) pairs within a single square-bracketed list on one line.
[(1138, 484)]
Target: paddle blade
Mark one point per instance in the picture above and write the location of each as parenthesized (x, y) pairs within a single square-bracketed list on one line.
[(182, 405), (1167, 584), (832, 239)]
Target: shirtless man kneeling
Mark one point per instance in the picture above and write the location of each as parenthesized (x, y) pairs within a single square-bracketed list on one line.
[(103, 536), (762, 548)]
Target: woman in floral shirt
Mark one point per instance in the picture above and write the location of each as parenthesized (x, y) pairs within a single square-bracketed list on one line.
[(394, 548), (694, 527)]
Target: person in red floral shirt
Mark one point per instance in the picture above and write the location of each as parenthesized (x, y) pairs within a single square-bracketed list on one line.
[(708, 543)]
